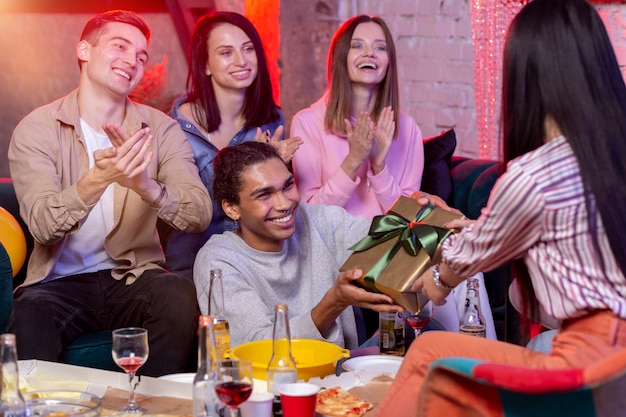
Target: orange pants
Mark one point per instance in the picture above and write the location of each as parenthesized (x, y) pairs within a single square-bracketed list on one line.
[(579, 342)]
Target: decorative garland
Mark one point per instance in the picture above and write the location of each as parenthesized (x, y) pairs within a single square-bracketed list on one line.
[(490, 21)]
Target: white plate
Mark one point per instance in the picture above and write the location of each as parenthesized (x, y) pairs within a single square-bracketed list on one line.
[(373, 363), (186, 378)]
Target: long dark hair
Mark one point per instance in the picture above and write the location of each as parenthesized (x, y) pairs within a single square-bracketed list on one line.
[(259, 106), (339, 105), (559, 63)]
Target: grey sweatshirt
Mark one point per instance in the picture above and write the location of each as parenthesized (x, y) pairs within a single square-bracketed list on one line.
[(299, 275)]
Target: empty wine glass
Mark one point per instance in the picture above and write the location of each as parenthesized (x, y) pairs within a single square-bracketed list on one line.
[(233, 382), (130, 351), (419, 320)]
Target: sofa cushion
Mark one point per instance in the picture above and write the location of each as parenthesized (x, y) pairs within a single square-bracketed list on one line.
[(482, 189), (438, 152), (6, 288), (465, 196), (92, 350)]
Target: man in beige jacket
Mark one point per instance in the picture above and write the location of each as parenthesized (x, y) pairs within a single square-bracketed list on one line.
[(92, 172)]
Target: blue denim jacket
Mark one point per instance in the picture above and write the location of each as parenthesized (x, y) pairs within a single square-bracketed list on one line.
[(181, 248)]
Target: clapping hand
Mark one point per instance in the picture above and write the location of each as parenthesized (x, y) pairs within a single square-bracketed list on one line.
[(127, 160), (286, 148), (360, 142), (383, 136)]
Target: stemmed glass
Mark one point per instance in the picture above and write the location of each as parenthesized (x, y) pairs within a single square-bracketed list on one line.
[(419, 320), (130, 351), (233, 382)]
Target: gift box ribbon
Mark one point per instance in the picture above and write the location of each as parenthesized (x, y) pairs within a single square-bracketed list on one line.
[(413, 236)]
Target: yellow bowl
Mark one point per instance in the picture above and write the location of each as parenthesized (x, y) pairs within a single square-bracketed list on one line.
[(314, 358)]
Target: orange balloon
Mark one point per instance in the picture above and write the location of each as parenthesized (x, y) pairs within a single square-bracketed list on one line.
[(13, 240)]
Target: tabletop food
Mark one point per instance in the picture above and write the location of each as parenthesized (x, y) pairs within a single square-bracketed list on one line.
[(336, 402)]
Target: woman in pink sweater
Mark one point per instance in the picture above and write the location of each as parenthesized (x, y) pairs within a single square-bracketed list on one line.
[(359, 151)]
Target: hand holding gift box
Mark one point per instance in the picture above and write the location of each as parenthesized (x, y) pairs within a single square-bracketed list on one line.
[(400, 246)]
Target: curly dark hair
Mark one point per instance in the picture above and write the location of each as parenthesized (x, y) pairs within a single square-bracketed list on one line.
[(231, 162)]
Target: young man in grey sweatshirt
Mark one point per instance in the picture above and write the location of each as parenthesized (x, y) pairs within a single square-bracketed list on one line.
[(285, 251)]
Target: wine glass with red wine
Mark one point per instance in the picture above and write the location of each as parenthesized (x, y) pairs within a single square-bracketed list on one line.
[(419, 320), (233, 383), (130, 351)]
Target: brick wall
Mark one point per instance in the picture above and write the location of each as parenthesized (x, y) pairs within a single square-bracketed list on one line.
[(614, 17), (434, 42), (436, 64)]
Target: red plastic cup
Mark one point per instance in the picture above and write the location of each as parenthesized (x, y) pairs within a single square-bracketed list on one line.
[(298, 399)]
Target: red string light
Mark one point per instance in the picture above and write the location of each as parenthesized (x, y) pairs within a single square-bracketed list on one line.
[(490, 20)]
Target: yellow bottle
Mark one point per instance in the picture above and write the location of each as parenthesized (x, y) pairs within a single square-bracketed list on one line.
[(216, 309)]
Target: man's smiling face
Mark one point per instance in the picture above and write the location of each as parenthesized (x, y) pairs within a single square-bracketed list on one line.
[(117, 58), (267, 205)]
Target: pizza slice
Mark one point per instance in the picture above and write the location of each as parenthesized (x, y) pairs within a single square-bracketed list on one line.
[(336, 402)]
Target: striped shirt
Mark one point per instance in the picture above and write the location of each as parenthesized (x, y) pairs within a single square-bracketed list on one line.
[(537, 212)]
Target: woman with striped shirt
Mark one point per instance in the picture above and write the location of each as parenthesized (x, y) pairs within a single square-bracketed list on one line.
[(557, 211)]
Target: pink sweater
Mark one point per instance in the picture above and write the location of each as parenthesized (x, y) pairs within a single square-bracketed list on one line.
[(317, 166)]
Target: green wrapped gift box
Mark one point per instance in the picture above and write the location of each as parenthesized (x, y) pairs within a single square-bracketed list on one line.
[(399, 247)]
